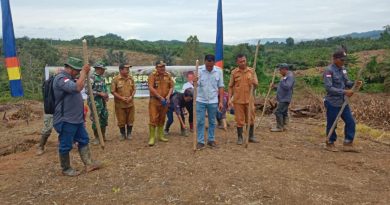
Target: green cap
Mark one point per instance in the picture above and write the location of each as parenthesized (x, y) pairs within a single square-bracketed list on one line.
[(99, 64), (74, 63)]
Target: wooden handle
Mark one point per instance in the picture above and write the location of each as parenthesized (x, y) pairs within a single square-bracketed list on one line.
[(195, 137), (91, 97), (251, 100)]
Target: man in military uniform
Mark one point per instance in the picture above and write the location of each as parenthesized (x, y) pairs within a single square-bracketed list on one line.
[(68, 118), (100, 93), (241, 80), (337, 86), (45, 133), (284, 94), (161, 87), (123, 89)]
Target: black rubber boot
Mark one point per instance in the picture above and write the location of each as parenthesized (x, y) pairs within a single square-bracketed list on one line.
[(129, 129), (239, 135), (67, 170), (252, 137), (123, 133)]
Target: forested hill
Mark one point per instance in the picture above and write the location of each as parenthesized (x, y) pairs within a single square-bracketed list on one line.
[(34, 54)]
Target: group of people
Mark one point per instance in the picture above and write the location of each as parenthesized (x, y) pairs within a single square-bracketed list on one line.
[(211, 100)]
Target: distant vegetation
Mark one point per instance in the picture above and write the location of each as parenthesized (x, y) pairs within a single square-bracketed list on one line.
[(34, 54)]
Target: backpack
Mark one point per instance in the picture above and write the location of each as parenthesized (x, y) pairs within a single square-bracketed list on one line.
[(48, 96)]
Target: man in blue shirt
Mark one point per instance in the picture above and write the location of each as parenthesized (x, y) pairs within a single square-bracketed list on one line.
[(283, 97), (210, 88), (68, 119), (337, 86)]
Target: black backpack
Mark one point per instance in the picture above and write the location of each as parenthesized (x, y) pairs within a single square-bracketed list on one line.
[(48, 96)]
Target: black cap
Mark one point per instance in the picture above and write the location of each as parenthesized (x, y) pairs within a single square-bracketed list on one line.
[(340, 54), (121, 66), (209, 57), (283, 65)]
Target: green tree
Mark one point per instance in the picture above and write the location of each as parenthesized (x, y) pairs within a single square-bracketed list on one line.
[(191, 50), (290, 42), (166, 55)]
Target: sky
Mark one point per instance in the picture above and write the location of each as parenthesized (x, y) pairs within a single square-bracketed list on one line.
[(178, 19)]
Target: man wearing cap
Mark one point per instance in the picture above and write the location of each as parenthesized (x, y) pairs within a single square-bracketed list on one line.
[(100, 94), (209, 98), (68, 118), (337, 86), (123, 89), (241, 80), (160, 87), (284, 94), (177, 104)]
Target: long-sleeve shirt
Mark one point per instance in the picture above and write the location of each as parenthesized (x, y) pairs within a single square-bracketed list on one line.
[(285, 88), (208, 85), (335, 82), (69, 102)]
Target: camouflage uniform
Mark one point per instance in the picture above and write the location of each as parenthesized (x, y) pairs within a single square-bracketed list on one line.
[(45, 133), (98, 85)]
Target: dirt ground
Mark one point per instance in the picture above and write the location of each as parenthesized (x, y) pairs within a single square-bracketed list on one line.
[(285, 168)]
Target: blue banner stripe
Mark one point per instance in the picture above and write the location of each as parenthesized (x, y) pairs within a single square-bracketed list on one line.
[(219, 39), (16, 88), (8, 30)]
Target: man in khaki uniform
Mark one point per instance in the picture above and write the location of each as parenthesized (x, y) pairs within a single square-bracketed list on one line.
[(123, 89), (160, 86), (241, 80)]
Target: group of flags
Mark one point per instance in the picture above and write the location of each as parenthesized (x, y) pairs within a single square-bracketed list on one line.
[(13, 65)]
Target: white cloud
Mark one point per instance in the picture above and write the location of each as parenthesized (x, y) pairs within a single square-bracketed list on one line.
[(169, 19)]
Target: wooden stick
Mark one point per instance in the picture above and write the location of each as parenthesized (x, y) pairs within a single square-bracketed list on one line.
[(251, 100), (195, 137), (91, 97), (266, 99), (346, 102)]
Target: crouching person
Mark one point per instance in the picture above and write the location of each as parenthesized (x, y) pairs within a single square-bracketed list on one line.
[(68, 119)]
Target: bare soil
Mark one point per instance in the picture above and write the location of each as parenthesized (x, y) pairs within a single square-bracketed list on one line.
[(285, 168)]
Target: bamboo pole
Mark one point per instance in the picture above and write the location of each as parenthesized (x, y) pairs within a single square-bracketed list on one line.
[(91, 97), (195, 137), (266, 99), (251, 100)]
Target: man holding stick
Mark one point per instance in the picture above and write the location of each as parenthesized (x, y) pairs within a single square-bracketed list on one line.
[(177, 105), (338, 88), (241, 80), (68, 118), (210, 88)]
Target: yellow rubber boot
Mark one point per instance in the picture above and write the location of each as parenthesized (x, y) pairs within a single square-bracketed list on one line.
[(160, 132), (152, 135)]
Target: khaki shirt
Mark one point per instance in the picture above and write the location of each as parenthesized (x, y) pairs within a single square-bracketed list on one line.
[(162, 83), (239, 84), (124, 87)]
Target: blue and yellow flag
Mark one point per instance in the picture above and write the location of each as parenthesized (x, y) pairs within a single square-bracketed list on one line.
[(11, 60), (219, 40)]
